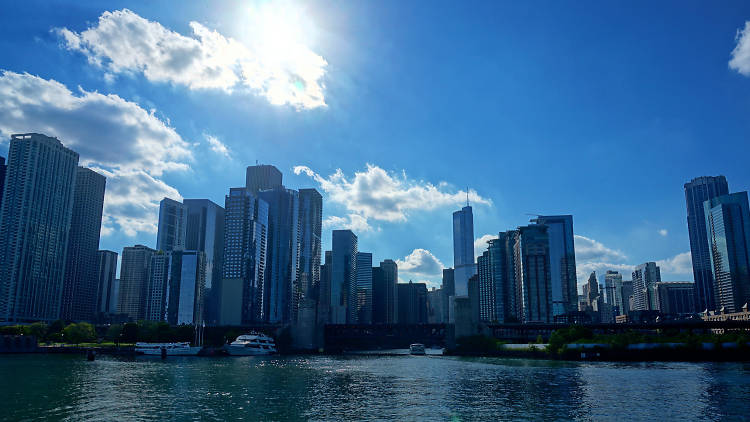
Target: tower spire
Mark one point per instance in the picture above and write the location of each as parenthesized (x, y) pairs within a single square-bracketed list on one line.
[(467, 196)]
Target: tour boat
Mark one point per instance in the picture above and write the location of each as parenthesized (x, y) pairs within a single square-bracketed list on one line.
[(171, 349), (417, 349), (253, 344)]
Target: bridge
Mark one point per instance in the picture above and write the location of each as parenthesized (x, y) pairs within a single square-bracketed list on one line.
[(383, 336)]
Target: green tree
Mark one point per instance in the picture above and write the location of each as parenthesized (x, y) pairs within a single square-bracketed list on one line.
[(113, 332), (79, 333), (130, 332), (37, 329)]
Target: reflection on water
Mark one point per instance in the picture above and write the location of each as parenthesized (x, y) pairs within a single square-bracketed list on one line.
[(367, 388)]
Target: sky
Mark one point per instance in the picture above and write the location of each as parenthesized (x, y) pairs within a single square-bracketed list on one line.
[(395, 111)]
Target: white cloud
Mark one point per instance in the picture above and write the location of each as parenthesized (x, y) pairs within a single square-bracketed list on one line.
[(480, 244), (591, 250), (741, 54), (273, 63), (663, 232), (680, 264), (421, 264), (216, 145), (378, 195), (118, 138), (353, 222)]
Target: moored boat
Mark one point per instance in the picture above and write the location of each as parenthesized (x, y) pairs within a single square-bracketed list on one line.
[(252, 344), (417, 349), (170, 349)]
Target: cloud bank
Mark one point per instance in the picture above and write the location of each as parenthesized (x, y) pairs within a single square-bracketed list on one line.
[(129, 145), (740, 60), (123, 42)]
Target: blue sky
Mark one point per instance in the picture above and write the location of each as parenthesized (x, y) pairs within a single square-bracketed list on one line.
[(598, 110)]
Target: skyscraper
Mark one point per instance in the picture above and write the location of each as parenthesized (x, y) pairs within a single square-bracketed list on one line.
[(343, 277), (728, 232), (613, 290), (245, 237), (81, 281), (533, 266), (697, 191), (463, 249), (390, 286), (106, 297), (134, 277), (364, 288), (412, 304), (34, 226), (448, 290), (502, 272), (205, 233), (282, 292), (262, 177), (562, 262), (675, 297), (158, 284), (486, 288), (3, 169), (311, 223), (186, 287), (324, 291), (172, 226), (645, 278)]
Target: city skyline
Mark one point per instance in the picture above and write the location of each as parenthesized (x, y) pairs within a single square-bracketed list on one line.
[(204, 146)]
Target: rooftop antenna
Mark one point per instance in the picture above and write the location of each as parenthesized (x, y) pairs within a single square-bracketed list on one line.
[(467, 196)]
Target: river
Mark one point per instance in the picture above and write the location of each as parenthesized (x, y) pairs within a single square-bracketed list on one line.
[(67, 387)]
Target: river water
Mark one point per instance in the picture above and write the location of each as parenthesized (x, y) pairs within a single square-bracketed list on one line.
[(67, 387)]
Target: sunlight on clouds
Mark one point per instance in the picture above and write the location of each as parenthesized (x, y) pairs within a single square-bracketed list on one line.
[(273, 61)]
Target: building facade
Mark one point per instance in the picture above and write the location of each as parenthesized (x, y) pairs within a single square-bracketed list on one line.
[(205, 233), (533, 266), (343, 277), (172, 226), (675, 298), (311, 224), (263, 177), (645, 278), (562, 262), (697, 191), (3, 169), (134, 276), (364, 288), (412, 303), (81, 281), (107, 289), (463, 249), (728, 232), (35, 222)]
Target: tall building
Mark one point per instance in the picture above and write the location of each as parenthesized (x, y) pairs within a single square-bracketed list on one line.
[(675, 297), (324, 291), (364, 288), (81, 281), (645, 278), (187, 287), (34, 226), (385, 293), (533, 266), (449, 290), (205, 233), (591, 293), (435, 309), (3, 169), (486, 288), (172, 226), (562, 262), (343, 277), (311, 224), (412, 303), (283, 293), (697, 191), (463, 249), (106, 296), (728, 232), (263, 177), (626, 297), (613, 290), (156, 295), (134, 275), (243, 270)]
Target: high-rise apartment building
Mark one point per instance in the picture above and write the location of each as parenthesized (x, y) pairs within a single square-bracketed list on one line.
[(134, 276), (205, 233), (486, 287), (463, 249), (156, 295), (324, 291), (562, 262), (533, 267), (364, 288), (412, 303), (172, 226), (263, 177), (311, 224), (343, 277), (3, 169), (728, 232), (81, 276), (282, 292), (698, 191), (107, 289), (645, 278), (187, 287), (245, 248), (35, 221)]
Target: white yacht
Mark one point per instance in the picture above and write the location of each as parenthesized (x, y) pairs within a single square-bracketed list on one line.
[(253, 344), (171, 349), (417, 349)]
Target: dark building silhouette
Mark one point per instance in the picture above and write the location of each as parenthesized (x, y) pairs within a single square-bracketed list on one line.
[(107, 290), (324, 291), (675, 297), (412, 303), (697, 191), (448, 289), (263, 177), (385, 293), (311, 224), (81, 268)]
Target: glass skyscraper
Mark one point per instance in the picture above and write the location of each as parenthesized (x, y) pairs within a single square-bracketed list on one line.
[(728, 232), (311, 224), (34, 226), (533, 266), (172, 226), (262, 177), (562, 257), (463, 249), (343, 277), (697, 191), (81, 280), (645, 278), (106, 301), (134, 276), (364, 288)]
